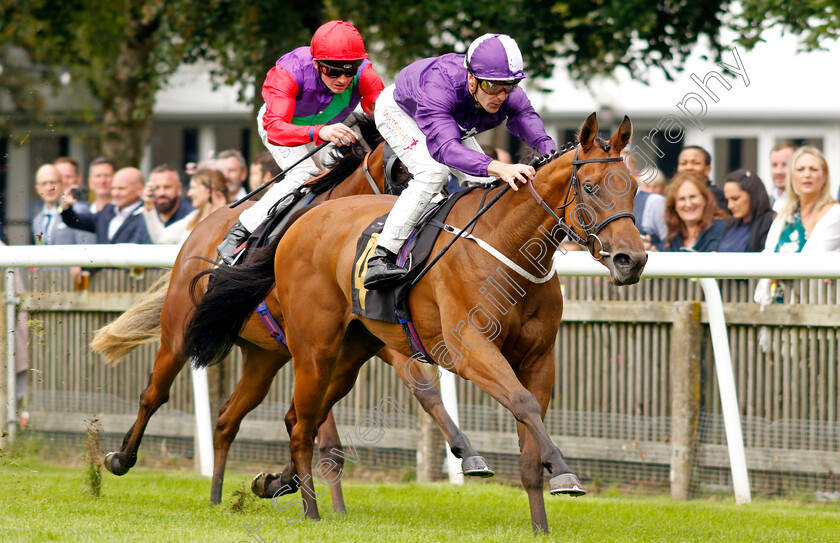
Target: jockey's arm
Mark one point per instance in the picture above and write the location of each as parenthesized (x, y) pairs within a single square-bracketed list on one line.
[(443, 137), (370, 86), (524, 123), (511, 173), (279, 92)]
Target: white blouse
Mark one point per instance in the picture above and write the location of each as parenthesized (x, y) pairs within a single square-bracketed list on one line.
[(824, 238), (175, 233)]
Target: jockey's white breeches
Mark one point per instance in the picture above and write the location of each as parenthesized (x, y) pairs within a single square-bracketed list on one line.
[(409, 143)]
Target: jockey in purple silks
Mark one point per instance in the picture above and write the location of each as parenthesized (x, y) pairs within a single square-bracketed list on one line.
[(429, 117), (307, 93)]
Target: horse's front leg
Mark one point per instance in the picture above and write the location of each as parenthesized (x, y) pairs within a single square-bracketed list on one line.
[(275, 485), (272, 485), (537, 376), (259, 369), (416, 378), (484, 365)]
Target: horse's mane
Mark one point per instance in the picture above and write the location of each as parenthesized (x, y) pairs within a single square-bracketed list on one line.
[(538, 161), (343, 161)]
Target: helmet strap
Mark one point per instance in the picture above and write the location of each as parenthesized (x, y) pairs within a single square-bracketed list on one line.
[(473, 91)]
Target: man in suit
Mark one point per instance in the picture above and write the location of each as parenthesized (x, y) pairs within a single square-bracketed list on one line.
[(121, 221), (45, 223), (233, 166)]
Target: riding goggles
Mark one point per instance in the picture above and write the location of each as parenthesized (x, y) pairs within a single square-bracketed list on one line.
[(346, 68), (495, 87)]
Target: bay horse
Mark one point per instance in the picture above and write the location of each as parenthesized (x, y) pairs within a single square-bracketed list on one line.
[(162, 312), (499, 339)]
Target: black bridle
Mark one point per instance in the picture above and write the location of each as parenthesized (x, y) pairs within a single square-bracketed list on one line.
[(590, 233), (391, 165)]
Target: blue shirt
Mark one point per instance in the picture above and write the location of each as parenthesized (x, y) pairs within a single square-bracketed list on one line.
[(735, 241), (708, 240)]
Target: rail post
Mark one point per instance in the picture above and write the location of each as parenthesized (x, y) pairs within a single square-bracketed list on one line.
[(685, 395)]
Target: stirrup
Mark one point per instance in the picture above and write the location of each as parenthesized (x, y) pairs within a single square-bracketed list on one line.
[(382, 269), (233, 246)]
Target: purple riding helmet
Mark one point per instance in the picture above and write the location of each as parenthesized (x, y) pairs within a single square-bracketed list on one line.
[(495, 57)]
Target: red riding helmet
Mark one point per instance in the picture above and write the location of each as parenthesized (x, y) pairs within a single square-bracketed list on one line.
[(337, 40)]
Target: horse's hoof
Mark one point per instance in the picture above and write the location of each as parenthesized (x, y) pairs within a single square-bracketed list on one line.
[(109, 461), (476, 466), (267, 485), (567, 483), (258, 485)]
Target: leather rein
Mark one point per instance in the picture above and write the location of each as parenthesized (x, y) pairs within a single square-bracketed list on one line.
[(590, 233)]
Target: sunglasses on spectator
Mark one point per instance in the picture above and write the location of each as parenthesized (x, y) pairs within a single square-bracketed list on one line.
[(335, 71), (495, 87)]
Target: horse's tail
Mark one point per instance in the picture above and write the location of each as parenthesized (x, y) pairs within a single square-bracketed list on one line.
[(235, 292), (140, 324)]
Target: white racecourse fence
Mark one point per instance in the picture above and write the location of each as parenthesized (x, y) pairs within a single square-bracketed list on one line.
[(636, 384)]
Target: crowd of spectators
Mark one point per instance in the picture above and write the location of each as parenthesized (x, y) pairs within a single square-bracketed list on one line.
[(689, 212), (121, 206), (796, 212)]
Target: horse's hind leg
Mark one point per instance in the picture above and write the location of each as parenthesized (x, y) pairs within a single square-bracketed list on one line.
[(310, 384), (320, 381), (167, 366), (417, 379), (330, 465), (259, 369)]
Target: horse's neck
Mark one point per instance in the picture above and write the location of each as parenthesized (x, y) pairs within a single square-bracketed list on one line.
[(522, 227)]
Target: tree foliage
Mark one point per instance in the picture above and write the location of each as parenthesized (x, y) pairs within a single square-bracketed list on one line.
[(119, 51), (589, 38)]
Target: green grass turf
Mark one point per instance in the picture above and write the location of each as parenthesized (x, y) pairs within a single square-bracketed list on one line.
[(47, 502)]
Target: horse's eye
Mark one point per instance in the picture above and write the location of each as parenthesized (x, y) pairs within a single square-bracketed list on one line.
[(588, 189)]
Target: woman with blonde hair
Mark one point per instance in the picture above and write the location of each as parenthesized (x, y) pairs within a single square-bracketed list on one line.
[(809, 221), (695, 222), (208, 192)]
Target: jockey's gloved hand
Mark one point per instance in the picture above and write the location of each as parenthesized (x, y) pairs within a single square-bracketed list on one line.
[(338, 133), (511, 173)]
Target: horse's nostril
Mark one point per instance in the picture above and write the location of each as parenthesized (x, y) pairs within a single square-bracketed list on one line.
[(622, 260)]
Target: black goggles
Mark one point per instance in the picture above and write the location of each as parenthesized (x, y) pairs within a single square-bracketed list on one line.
[(349, 69), (495, 87)]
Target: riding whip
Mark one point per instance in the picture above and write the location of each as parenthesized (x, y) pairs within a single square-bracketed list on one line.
[(277, 177)]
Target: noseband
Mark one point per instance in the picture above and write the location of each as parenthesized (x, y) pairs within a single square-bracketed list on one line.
[(574, 185)]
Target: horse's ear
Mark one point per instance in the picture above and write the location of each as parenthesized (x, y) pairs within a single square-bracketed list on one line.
[(588, 131), (622, 136)]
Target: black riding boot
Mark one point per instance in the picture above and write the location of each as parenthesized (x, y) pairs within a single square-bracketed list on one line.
[(227, 249), (382, 269)]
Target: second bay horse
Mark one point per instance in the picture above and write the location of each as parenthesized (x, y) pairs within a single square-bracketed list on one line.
[(163, 312)]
